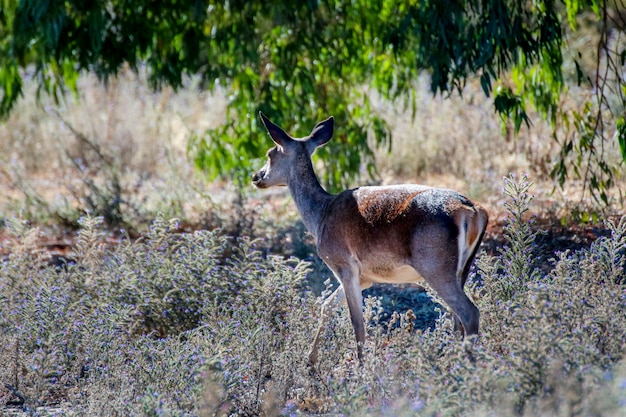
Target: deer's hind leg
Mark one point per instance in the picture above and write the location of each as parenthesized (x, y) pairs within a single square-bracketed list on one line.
[(466, 313), (438, 266)]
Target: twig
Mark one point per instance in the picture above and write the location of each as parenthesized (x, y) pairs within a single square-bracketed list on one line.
[(83, 138), (22, 397)]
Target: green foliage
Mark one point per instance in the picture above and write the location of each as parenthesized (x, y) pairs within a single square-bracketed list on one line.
[(583, 132), (298, 62), (513, 270), (621, 135)]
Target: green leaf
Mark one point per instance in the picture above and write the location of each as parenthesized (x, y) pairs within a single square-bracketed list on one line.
[(621, 135), (485, 83), (579, 73)]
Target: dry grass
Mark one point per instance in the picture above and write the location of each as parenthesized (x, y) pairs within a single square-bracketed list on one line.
[(120, 141), (120, 151), (462, 137)]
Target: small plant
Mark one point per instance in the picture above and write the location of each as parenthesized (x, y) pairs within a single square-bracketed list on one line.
[(514, 268)]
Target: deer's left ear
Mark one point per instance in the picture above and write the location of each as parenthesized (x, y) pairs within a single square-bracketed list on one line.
[(321, 134), (278, 135)]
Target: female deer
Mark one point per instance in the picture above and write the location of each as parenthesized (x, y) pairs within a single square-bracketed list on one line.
[(387, 234)]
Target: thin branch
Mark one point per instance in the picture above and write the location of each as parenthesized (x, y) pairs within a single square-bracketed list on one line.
[(22, 398), (82, 137)]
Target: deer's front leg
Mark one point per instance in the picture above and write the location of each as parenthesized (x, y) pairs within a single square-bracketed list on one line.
[(349, 276), (330, 305), (354, 298), (350, 288)]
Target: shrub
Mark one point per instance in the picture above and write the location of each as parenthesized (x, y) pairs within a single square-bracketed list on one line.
[(181, 324)]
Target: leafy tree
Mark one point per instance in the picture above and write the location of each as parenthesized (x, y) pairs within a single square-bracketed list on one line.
[(299, 61)]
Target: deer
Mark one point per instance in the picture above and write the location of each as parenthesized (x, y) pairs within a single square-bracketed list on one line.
[(391, 234)]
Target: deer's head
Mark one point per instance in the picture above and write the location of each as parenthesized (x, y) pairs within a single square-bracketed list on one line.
[(289, 152)]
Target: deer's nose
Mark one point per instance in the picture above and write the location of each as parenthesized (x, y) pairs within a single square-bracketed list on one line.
[(258, 176)]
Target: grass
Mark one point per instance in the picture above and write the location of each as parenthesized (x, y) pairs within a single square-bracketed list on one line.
[(177, 324), (120, 152), (182, 298), (117, 151)]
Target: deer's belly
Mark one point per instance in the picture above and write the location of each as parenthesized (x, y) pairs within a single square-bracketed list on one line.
[(403, 274)]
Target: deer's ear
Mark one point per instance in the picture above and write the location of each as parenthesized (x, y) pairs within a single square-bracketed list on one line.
[(321, 134), (278, 135)]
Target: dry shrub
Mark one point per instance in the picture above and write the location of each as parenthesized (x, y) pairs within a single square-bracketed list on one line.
[(179, 324), (117, 151)]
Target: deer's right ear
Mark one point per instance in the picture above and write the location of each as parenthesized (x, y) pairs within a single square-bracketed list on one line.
[(279, 136), (321, 133)]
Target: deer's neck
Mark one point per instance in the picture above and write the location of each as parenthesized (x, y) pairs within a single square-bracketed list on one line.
[(310, 198)]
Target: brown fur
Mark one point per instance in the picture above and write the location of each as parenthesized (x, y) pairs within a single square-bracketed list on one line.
[(384, 204), (390, 234)]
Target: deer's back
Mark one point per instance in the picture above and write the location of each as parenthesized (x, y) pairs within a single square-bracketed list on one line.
[(381, 225), (397, 203)]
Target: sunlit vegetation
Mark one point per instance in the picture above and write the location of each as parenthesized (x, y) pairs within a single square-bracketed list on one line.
[(177, 324), (141, 275)]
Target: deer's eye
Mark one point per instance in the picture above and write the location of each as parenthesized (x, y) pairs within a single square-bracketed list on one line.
[(273, 153)]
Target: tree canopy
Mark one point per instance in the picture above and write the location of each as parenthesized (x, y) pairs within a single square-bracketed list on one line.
[(299, 61)]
